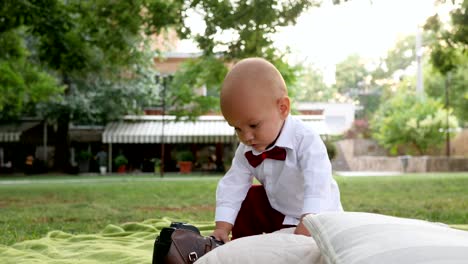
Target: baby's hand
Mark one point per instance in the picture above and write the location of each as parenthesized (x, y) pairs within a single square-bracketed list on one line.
[(301, 230), (221, 235)]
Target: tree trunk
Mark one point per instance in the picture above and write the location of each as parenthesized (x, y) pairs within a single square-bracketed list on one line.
[(62, 154)]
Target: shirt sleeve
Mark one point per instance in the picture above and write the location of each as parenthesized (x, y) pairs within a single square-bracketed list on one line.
[(316, 166), (233, 188)]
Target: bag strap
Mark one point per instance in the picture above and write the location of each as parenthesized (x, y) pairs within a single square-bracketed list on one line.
[(162, 244)]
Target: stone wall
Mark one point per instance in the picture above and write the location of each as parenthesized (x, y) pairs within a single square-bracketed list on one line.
[(438, 163), (414, 164), (374, 163), (347, 150), (350, 157), (459, 144)]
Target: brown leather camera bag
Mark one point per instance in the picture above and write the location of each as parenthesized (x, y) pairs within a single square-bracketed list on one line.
[(187, 246), (181, 246)]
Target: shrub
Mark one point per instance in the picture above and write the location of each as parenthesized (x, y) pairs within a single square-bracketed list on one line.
[(411, 123), (120, 160), (184, 156), (359, 129), (331, 149), (84, 155)]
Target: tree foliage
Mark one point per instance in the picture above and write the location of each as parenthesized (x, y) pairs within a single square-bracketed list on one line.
[(89, 62), (234, 30), (22, 83), (350, 75), (401, 55), (354, 80), (195, 87), (455, 87), (411, 124), (97, 50), (448, 50), (356, 74), (450, 46), (390, 72), (251, 23), (311, 86)]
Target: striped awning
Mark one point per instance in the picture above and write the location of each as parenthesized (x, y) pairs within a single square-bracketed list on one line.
[(152, 129), (206, 129), (12, 132)]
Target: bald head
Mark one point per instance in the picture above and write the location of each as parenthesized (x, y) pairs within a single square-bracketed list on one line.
[(254, 100), (252, 78), (254, 75)]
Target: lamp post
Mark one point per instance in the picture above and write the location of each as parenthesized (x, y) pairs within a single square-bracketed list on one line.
[(419, 53), (447, 105), (162, 81)]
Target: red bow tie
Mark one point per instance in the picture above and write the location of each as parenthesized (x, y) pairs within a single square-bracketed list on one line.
[(275, 153)]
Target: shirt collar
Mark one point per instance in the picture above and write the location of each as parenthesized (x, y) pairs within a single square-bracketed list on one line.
[(284, 139)]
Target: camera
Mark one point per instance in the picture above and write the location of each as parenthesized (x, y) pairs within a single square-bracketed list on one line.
[(181, 225), (164, 242)]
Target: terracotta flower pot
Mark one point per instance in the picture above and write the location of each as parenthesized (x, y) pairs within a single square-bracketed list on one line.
[(122, 169), (185, 166)]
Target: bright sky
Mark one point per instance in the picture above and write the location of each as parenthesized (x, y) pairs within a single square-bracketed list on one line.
[(325, 36)]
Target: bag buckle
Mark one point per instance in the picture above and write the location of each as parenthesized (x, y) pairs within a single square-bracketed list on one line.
[(193, 256)]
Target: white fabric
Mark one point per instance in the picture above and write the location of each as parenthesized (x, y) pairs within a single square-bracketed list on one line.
[(352, 237), (301, 184), (274, 248)]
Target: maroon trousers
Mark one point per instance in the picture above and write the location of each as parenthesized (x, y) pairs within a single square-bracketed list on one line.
[(256, 215)]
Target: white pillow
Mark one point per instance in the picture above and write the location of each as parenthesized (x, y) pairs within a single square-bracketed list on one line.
[(352, 237), (274, 248)]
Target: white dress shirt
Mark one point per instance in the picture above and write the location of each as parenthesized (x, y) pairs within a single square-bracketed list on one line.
[(300, 184)]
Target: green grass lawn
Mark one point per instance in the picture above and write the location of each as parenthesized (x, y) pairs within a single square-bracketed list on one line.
[(32, 206)]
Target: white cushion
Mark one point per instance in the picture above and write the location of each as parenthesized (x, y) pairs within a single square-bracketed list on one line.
[(352, 237), (274, 248)]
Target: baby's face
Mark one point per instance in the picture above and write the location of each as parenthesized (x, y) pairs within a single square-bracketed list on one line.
[(254, 101), (257, 123)]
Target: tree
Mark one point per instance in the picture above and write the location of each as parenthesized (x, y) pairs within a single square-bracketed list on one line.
[(22, 84), (411, 124), (450, 43), (97, 50), (436, 84), (206, 73), (311, 86), (350, 75), (354, 80), (234, 30), (380, 81), (400, 56), (449, 59), (250, 22), (391, 72)]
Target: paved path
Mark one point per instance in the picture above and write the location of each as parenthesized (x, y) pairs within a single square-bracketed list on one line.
[(94, 178), (367, 173), (102, 179)]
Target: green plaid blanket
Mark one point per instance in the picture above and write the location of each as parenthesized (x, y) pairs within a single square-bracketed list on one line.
[(126, 243)]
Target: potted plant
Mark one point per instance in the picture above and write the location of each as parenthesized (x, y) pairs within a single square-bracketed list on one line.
[(83, 160), (121, 163), (185, 161), (157, 165)]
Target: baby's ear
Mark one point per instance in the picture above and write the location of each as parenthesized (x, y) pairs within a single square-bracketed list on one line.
[(284, 106)]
